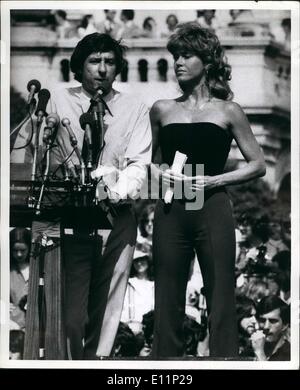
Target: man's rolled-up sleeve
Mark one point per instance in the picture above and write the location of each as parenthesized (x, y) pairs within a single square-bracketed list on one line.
[(137, 158)]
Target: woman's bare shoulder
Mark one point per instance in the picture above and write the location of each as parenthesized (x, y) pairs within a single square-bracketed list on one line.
[(232, 108), (163, 105)]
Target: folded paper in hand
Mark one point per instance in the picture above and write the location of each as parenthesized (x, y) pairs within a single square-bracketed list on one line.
[(177, 166)]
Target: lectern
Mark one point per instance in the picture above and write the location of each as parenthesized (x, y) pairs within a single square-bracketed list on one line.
[(63, 204)]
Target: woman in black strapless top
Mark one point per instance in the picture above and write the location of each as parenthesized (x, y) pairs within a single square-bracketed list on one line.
[(201, 124)]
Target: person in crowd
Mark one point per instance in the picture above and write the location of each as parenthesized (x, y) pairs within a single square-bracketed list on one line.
[(129, 29), (109, 25), (139, 297), (191, 331), (147, 322), (149, 28), (245, 239), (273, 282), (286, 231), (20, 244), (145, 227), (271, 341), (265, 243), (286, 26), (203, 342), (171, 23), (96, 282), (64, 29), (201, 123), (126, 343), (240, 15), (195, 304), (16, 344), (244, 23), (275, 242), (192, 303), (256, 288), (87, 26), (247, 324), (282, 262), (206, 19)]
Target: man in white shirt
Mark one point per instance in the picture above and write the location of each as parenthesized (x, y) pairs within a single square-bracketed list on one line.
[(95, 283)]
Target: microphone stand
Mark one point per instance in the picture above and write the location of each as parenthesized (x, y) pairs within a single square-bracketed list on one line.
[(39, 254), (49, 143), (36, 145), (82, 164)]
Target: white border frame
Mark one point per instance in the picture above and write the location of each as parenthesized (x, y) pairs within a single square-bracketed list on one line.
[(6, 6)]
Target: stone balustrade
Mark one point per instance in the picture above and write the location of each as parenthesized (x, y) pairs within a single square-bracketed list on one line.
[(260, 77)]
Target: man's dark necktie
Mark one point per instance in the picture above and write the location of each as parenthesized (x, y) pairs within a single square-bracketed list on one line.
[(97, 109), (96, 136)]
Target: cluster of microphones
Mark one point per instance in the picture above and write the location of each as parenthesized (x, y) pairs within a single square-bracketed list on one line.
[(53, 120), (89, 122)]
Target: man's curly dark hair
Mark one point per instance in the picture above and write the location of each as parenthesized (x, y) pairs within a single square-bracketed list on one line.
[(93, 43)]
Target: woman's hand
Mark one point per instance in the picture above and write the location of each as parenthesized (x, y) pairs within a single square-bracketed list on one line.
[(193, 183)]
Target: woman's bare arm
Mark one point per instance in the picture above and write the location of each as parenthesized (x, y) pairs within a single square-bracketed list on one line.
[(248, 146)]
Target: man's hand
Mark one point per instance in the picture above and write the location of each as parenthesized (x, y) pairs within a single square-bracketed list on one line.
[(103, 171), (258, 340), (108, 176)]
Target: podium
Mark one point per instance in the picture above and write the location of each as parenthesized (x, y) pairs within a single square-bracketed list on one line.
[(66, 207)]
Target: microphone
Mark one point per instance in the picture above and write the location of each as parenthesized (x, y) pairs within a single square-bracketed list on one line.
[(52, 122), (33, 87), (44, 96), (66, 123), (86, 123)]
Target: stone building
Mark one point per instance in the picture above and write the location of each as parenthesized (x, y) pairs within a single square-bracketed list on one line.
[(256, 45)]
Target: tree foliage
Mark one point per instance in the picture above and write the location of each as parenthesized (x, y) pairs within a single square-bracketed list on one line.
[(18, 108), (255, 198)]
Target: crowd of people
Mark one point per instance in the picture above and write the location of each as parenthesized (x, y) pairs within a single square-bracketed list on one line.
[(263, 265), (125, 26), (263, 276), (20, 245)]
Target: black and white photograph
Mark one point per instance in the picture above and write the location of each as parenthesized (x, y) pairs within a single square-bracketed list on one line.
[(150, 185)]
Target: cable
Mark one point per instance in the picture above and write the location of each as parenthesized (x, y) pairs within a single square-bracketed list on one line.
[(63, 163), (31, 136), (20, 124)]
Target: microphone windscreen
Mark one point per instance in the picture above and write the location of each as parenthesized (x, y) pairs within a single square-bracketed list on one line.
[(36, 83), (52, 118), (86, 119), (44, 96), (65, 122)]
